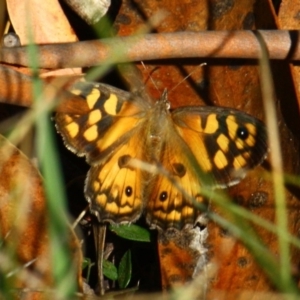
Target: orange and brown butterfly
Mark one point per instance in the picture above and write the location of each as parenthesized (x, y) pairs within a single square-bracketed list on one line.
[(147, 158)]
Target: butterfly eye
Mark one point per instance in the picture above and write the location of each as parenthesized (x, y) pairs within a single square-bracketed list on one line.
[(163, 196), (242, 133), (128, 191)]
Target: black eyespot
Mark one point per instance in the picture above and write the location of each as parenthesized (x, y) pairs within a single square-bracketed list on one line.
[(163, 196), (179, 169), (128, 191), (123, 161), (242, 133)]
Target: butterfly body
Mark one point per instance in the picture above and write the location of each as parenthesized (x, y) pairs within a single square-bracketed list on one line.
[(146, 158)]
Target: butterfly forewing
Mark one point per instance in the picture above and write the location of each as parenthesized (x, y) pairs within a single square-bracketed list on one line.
[(225, 142), (113, 115)]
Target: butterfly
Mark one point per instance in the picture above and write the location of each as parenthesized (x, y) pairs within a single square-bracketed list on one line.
[(147, 158)]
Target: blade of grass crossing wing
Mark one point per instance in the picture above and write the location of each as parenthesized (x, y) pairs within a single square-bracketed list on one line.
[(64, 274), (285, 279)]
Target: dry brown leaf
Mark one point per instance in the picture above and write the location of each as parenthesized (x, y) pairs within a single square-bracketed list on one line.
[(90, 10), (25, 252), (43, 22)]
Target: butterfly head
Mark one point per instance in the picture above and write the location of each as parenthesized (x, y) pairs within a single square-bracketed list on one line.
[(163, 103)]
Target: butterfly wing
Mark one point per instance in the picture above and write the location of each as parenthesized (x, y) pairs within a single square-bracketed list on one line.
[(108, 136), (114, 114), (232, 141), (170, 191), (114, 187), (204, 147)]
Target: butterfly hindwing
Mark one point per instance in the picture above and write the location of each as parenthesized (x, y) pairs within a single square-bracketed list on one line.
[(173, 192), (113, 188)]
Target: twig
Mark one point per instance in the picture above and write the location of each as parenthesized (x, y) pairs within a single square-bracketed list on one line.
[(16, 88), (206, 44)]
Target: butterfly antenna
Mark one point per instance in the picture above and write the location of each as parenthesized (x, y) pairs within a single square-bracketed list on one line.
[(149, 75), (186, 77)]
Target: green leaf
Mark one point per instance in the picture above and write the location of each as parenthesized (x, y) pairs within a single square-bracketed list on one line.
[(125, 270), (110, 270), (131, 232), (87, 263)]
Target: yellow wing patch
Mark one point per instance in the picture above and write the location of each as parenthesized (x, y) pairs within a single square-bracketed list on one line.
[(93, 97), (223, 142), (110, 105), (91, 134), (220, 160), (94, 117), (72, 129), (211, 125)]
